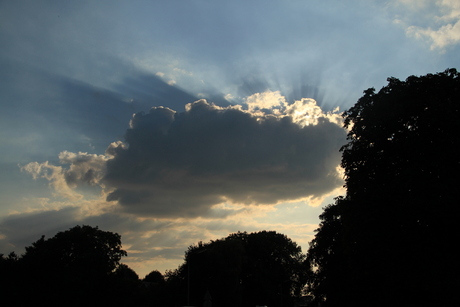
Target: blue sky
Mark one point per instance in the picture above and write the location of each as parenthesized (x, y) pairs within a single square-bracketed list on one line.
[(237, 104)]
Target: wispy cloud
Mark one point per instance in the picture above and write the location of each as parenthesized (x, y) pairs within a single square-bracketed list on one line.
[(441, 22)]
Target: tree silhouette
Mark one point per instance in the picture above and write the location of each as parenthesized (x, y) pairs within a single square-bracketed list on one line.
[(125, 283), (389, 241), (154, 289), (274, 272), (80, 248), (75, 267), (263, 268), (10, 278), (328, 269)]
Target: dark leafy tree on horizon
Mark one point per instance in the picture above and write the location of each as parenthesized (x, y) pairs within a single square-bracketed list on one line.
[(391, 240), (81, 247), (328, 270), (79, 266), (154, 293), (263, 268)]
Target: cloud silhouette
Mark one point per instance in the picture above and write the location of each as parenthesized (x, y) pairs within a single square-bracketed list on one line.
[(182, 164)]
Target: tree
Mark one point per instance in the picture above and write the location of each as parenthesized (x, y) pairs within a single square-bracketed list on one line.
[(154, 284), (125, 283), (328, 269), (73, 267), (124, 272), (393, 233), (274, 272), (79, 248), (9, 277), (241, 270)]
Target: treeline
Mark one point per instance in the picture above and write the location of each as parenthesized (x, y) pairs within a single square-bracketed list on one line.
[(81, 267)]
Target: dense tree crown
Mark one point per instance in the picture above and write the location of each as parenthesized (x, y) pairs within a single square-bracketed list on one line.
[(263, 268), (77, 267), (81, 247), (390, 240)]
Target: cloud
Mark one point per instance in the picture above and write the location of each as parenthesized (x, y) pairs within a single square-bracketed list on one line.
[(200, 174), (183, 164), (441, 26), (190, 164), (266, 101), (55, 175), (84, 169)]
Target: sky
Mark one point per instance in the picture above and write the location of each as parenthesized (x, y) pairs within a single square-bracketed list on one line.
[(174, 122)]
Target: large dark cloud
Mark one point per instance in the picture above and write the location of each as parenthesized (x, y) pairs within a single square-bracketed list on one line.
[(181, 164)]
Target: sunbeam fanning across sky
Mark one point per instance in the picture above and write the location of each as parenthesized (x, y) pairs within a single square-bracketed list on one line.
[(173, 122)]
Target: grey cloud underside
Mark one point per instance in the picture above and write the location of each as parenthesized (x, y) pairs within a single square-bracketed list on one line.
[(181, 164), (25, 228)]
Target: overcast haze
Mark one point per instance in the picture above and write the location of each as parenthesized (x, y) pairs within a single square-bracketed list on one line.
[(172, 122)]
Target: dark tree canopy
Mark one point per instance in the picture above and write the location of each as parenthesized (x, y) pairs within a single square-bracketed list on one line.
[(124, 272), (154, 277), (263, 268), (79, 248), (76, 267), (155, 285), (328, 275), (391, 239)]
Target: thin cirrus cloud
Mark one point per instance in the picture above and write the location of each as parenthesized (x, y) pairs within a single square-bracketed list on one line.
[(183, 164)]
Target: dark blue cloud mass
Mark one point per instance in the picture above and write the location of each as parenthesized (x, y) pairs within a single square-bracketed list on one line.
[(181, 164)]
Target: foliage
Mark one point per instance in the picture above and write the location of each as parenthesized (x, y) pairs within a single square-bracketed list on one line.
[(327, 274), (155, 285), (154, 277), (263, 268), (9, 279), (124, 272), (125, 286), (80, 248), (76, 267), (391, 237)]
